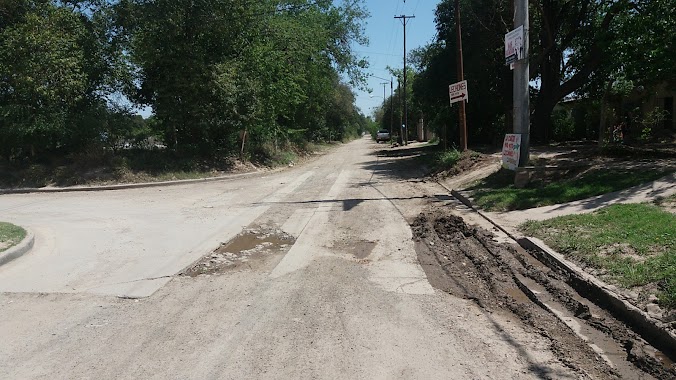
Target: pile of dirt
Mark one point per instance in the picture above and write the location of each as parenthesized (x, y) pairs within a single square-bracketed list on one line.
[(467, 262), (469, 160)]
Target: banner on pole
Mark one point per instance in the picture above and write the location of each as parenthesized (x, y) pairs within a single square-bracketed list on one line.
[(514, 49)]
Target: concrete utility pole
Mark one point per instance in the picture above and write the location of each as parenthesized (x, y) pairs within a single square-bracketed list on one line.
[(384, 98), (401, 114), (404, 20), (391, 101), (521, 77), (462, 120), (391, 106)]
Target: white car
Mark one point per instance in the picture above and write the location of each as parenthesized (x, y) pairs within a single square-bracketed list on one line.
[(382, 135)]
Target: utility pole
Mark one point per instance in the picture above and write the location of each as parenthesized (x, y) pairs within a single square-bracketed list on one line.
[(401, 114), (391, 101), (384, 98), (462, 122), (520, 90), (391, 106), (404, 20)]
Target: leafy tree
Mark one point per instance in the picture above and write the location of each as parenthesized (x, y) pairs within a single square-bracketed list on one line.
[(55, 70), (213, 69), (489, 109)]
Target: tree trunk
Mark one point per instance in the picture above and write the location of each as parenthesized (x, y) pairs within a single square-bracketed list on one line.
[(604, 105), (542, 118)]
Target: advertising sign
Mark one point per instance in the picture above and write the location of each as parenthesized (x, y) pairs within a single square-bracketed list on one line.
[(511, 150), (514, 50), (458, 91)]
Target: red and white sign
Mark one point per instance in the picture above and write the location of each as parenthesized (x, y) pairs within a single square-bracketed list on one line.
[(511, 150), (458, 91), (514, 49)]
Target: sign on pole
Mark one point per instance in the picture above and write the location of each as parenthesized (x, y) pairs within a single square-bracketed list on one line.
[(458, 91), (511, 150), (514, 50)]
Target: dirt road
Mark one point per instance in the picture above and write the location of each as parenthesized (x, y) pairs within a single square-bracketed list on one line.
[(323, 282)]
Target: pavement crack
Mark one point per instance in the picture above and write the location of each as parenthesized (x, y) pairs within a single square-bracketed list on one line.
[(127, 282)]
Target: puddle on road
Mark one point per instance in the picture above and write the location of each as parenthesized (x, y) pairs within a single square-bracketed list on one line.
[(250, 248), (253, 239)]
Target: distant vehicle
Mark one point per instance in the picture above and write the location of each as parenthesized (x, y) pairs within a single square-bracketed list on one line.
[(383, 135)]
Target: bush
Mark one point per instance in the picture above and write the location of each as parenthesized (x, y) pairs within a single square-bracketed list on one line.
[(449, 158), (563, 125)]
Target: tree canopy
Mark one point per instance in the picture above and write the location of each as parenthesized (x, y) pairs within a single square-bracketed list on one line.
[(214, 72), (575, 46)]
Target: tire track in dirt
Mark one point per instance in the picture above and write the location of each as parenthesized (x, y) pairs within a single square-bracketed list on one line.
[(465, 261)]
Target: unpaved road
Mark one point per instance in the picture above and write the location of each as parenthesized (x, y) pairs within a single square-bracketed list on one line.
[(334, 290)]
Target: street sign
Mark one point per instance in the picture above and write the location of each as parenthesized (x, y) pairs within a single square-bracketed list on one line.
[(458, 91), (514, 46), (511, 150)]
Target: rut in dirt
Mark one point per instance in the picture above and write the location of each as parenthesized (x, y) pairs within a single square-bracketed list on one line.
[(467, 262)]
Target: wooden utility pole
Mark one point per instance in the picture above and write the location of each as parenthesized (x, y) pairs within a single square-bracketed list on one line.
[(462, 122), (404, 20)]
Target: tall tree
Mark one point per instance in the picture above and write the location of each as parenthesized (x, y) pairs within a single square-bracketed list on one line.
[(52, 71)]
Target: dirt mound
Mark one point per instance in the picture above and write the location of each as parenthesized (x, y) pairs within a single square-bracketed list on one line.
[(469, 160)]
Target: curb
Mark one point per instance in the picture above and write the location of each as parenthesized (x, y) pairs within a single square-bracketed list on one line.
[(593, 289), (16, 251), (123, 186), (600, 293)]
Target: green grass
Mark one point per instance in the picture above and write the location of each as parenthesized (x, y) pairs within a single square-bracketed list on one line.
[(10, 235), (448, 159), (634, 243), (497, 192)]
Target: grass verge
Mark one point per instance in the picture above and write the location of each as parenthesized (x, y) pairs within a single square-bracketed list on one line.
[(10, 235), (497, 192), (632, 244)]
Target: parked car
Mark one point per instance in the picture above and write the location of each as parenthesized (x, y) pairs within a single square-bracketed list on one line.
[(383, 135)]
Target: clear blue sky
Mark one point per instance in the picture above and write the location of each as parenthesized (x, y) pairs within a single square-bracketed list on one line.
[(386, 42)]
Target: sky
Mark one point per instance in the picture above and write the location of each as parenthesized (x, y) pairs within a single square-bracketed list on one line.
[(386, 42)]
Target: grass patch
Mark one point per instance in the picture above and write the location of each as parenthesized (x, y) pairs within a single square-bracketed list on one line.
[(10, 235), (635, 244), (497, 192)]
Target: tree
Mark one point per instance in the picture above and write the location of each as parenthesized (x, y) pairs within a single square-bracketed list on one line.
[(214, 68), (577, 43), (56, 68), (489, 109)]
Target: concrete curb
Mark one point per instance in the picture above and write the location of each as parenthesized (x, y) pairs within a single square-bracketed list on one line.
[(123, 186), (602, 294), (593, 289), (24, 246)]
